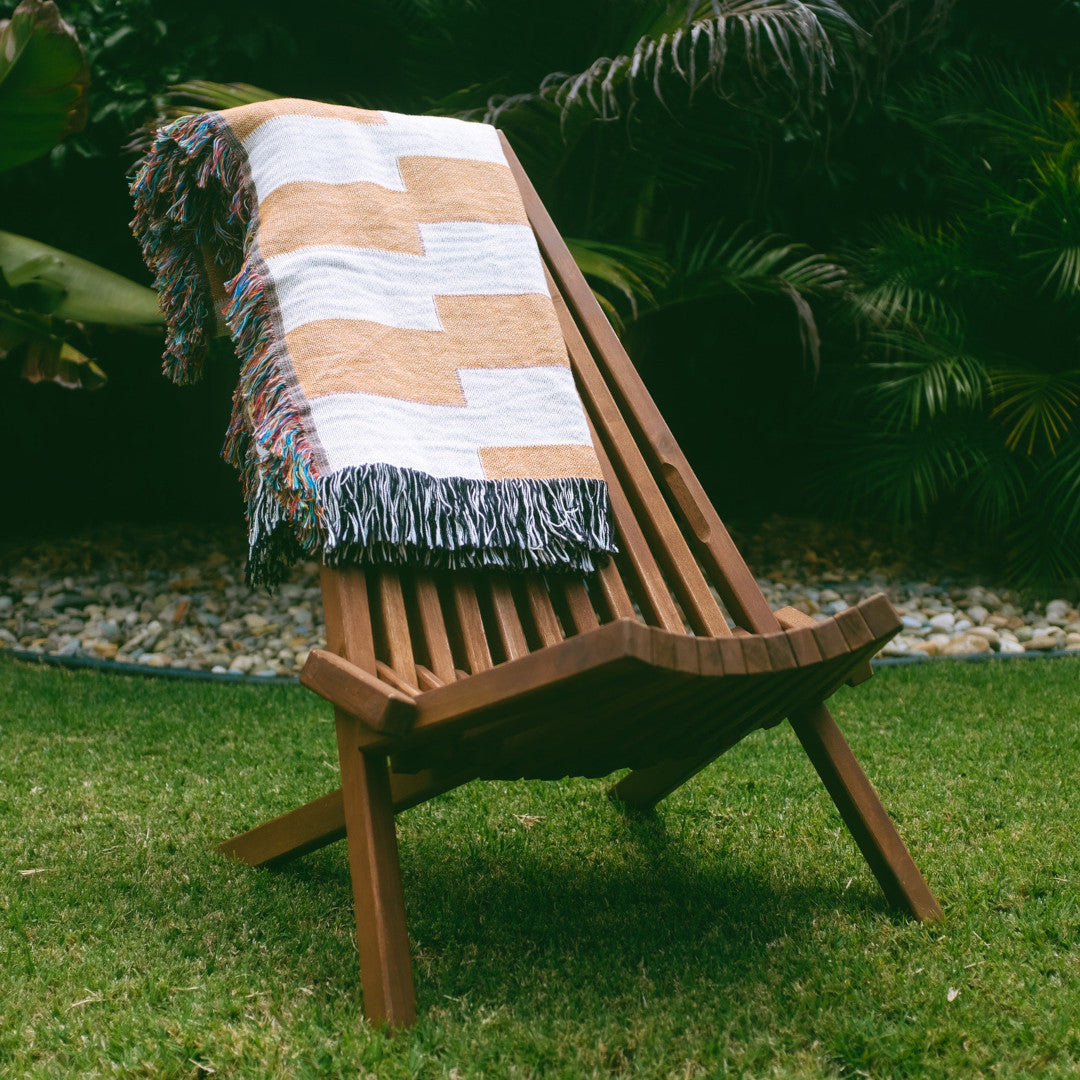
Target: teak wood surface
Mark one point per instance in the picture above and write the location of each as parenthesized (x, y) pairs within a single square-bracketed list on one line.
[(657, 663)]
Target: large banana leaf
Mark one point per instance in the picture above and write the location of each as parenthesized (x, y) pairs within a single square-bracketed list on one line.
[(43, 82), (55, 283)]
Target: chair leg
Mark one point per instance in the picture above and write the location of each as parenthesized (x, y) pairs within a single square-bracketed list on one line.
[(389, 996), (861, 809), (642, 789), (304, 829), (851, 791)]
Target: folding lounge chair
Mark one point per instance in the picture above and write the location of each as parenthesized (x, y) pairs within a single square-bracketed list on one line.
[(442, 678)]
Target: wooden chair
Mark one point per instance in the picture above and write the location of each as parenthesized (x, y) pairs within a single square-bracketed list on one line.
[(439, 679)]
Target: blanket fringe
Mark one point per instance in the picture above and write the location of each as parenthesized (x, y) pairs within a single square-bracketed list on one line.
[(383, 515), (191, 194)]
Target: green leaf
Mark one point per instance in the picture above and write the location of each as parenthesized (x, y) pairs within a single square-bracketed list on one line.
[(74, 288), (785, 42), (63, 364), (1038, 406), (750, 263), (1062, 479), (37, 343), (43, 82), (923, 376), (908, 273), (632, 273), (200, 95), (196, 96), (885, 469)]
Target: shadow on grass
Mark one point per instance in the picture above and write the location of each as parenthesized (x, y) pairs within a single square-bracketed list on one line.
[(594, 917)]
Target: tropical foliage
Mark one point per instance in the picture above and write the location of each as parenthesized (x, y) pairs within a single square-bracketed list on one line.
[(967, 387), (45, 294)]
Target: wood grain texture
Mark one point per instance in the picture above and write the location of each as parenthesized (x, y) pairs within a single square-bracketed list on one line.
[(715, 548), (542, 613), (469, 633), (382, 936), (635, 561), (376, 703), (304, 829), (452, 707), (433, 624), (511, 632), (666, 541), (864, 814), (396, 645)]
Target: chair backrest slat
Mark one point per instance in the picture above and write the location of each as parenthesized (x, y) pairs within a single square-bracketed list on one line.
[(424, 629), (729, 573), (613, 590), (667, 541), (348, 616), (393, 639), (635, 561), (579, 606)]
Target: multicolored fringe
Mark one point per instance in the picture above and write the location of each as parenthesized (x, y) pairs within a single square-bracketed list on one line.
[(193, 194), (190, 195), (381, 514)]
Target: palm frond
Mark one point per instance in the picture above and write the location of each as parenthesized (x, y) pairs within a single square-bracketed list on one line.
[(783, 43), (748, 263), (1062, 485), (201, 95), (906, 273), (898, 302), (618, 271), (882, 469), (1041, 552), (195, 96), (1039, 407), (922, 377), (978, 96), (997, 491), (1050, 218)]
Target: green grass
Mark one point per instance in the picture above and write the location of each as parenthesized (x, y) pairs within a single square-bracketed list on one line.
[(736, 933)]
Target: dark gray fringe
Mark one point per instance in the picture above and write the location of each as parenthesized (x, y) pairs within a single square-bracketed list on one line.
[(380, 514)]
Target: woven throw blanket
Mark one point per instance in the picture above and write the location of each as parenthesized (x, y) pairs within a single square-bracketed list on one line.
[(404, 393)]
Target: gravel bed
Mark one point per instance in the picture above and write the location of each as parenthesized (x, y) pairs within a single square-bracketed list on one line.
[(177, 599)]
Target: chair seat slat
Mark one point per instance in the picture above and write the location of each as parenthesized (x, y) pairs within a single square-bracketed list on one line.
[(433, 623), (511, 633)]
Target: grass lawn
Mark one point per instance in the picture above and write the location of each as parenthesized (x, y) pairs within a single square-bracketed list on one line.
[(736, 933)]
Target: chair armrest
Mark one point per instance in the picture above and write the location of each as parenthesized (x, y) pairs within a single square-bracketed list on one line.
[(359, 693)]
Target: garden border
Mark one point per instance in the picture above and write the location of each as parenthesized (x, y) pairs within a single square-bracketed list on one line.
[(147, 672)]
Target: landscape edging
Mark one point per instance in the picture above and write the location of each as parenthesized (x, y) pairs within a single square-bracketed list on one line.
[(147, 672)]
